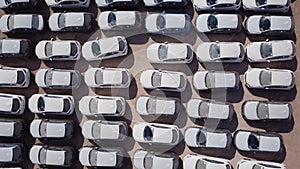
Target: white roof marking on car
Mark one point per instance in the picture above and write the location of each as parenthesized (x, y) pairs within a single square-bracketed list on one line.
[(56, 130), (74, 19), (6, 154), (162, 135), (112, 76), (175, 20), (106, 158), (10, 46), (61, 78), (53, 104), (7, 129), (61, 48), (8, 76), (22, 21), (107, 106), (165, 163), (109, 131), (55, 157), (170, 80), (6, 103)]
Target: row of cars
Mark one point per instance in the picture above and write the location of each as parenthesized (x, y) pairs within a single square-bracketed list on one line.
[(159, 23)]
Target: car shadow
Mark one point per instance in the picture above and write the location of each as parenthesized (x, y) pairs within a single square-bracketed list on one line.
[(241, 68), (275, 95), (222, 153), (189, 37), (290, 64)]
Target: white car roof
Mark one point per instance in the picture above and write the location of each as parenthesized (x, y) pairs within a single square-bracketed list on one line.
[(55, 157), (53, 104), (219, 111), (162, 162), (109, 44), (7, 129), (106, 158), (245, 163), (6, 103), (125, 17), (10, 45), (269, 143), (281, 22), (8, 76), (61, 78), (225, 79), (6, 154), (279, 111), (162, 135), (56, 129), (111, 76), (282, 47), (227, 20), (170, 79), (174, 51), (23, 21), (61, 47), (175, 21), (281, 77), (252, 3), (218, 140), (74, 18)]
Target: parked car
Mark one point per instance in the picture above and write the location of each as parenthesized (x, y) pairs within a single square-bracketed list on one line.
[(165, 3), (11, 128), (267, 6), (152, 105), (105, 130), (204, 138), (108, 77), (101, 157), (207, 80), (272, 79), (250, 164), (119, 20), (51, 104), (58, 50), (164, 23), (102, 106), (51, 155), (163, 80), (155, 133), (48, 128), (11, 153), (269, 24), (193, 161), (232, 52), (20, 4), (213, 5), (117, 3), (105, 48), (58, 78), (143, 159), (254, 141), (219, 23), (271, 51), (266, 110), (209, 109), (71, 22), (15, 48), (14, 77), (170, 53), (21, 23), (12, 104), (68, 3)]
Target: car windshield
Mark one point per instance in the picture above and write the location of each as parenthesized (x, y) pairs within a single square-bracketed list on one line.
[(162, 52), (160, 22), (211, 2), (261, 2), (266, 50), (264, 23), (96, 49), (203, 109), (93, 106), (48, 78), (112, 19), (201, 164), (201, 138), (43, 129), (253, 142), (156, 79), (99, 77), (158, 1), (8, 2), (148, 134), (48, 49), (263, 111), (10, 24), (265, 78), (151, 105), (210, 80), (16, 105), (93, 157), (148, 160), (109, 1), (256, 166), (214, 51), (62, 20), (212, 22), (42, 155), (41, 104)]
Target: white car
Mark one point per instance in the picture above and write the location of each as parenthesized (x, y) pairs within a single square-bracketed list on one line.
[(21, 23), (57, 129), (102, 106), (155, 133), (250, 164), (119, 20), (152, 105), (12, 153), (192, 161), (214, 5), (12, 128), (143, 159), (51, 155), (105, 48), (58, 50), (51, 104), (68, 3), (270, 51), (165, 3), (71, 22), (108, 77), (257, 141), (204, 138), (269, 24), (168, 23), (101, 157), (265, 110), (12, 104), (14, 77), (105, 130), (207, 80), (58, 78), (267, 5), (219, 23), (208, 109), (15, 48), (273, 79), (163, 80), (226, 52), (18, 4), (170, 53), (117, 3)]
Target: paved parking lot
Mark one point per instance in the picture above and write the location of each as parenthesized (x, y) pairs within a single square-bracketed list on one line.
[(136, 61)]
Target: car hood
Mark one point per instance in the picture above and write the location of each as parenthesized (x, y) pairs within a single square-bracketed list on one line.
[(3, 23), (269, 143), (34, 154), (84, 157), (39, 77), (253, 51), (190, 137), (250, 110), (175, 21), (199, 80), (103, 21), (138, 159), (87, 129), (138, 131), (192, 108), (35, 128), (141, 105), (252, 77), (228, 21), (150, 23), (241, 140), (203, 53), (201, 23), (146, 78), (87, 52), (40, 49), (281, 23), (84, 105), (53, 22), (252, 24)]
